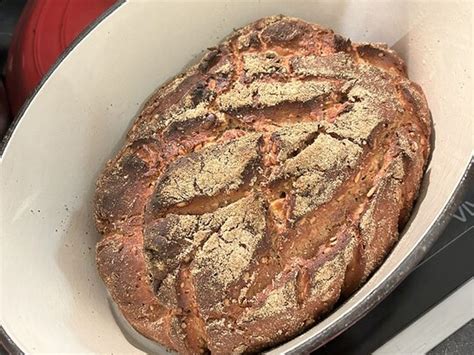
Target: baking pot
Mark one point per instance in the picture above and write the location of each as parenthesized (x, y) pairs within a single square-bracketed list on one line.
[(52, 297)]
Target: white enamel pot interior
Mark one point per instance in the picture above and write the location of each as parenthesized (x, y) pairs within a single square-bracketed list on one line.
[(52, 298)]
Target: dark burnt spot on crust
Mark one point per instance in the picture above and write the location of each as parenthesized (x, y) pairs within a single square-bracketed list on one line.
[(114, 198), (248, 41), (209, 60), (177, 90), (200, 93), (168, 243), (133, 167), (380, 55), (341, 44), (254, 40), (284, 31), (192, 125)]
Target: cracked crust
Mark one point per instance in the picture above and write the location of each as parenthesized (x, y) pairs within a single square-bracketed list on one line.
[(260, 187)]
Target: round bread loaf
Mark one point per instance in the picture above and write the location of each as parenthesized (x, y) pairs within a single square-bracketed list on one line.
[(260, 187)]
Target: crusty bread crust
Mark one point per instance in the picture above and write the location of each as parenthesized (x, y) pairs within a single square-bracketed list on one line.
[(260, 187)]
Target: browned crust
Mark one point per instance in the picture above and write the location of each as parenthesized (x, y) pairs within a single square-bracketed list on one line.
[(260, 187)]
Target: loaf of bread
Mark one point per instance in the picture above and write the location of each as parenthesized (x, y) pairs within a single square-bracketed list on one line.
[(260, 187)]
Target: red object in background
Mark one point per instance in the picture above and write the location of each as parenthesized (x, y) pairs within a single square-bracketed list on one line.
[(45, 29), (4, 112)]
